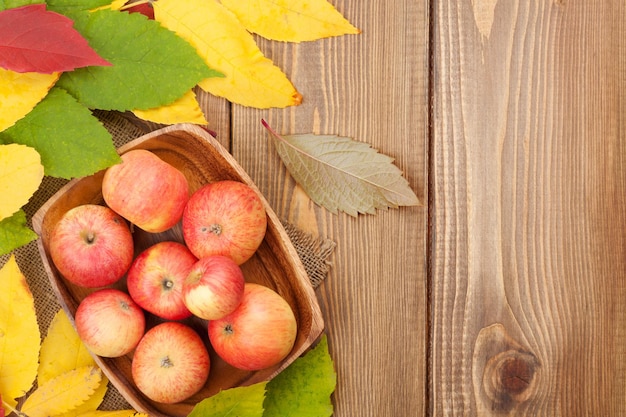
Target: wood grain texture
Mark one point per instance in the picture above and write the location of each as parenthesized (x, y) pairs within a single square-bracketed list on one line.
[(528, 177), (371, 87)]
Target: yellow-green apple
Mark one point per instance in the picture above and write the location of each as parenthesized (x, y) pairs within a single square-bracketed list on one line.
[(258, 334), (109, 322), (213, 287), (171, 363), (224, 218), (146, 190), (91, 246), (155, 279)]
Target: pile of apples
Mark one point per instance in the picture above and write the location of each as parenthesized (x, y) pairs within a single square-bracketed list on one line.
[(249, 326)]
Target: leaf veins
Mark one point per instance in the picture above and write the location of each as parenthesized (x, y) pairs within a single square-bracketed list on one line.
[(340, 173)]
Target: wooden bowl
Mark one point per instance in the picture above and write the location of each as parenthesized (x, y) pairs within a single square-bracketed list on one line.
[(275, 264)]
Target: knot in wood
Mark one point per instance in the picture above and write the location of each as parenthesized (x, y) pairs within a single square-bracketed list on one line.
[(515, 374), (510, 377)]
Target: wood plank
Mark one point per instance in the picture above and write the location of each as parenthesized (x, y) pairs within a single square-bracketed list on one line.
[(528, 191), (371, 87), (217, 113)]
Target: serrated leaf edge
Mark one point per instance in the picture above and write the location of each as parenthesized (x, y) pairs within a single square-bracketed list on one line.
[(376, 188)]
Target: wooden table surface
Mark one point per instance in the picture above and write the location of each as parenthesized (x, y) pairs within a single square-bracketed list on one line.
[(506, 292)]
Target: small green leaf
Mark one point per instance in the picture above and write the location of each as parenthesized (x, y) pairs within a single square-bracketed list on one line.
[(73, 145), (14, 233), (11, 4), (304, 388), (152, 66), (240, 402), (65, 6)]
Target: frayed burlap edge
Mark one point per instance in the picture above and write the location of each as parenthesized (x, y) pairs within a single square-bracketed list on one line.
[(314, 252)]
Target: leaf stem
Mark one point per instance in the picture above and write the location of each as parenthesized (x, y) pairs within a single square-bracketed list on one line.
[(134, 3), (13, 409)]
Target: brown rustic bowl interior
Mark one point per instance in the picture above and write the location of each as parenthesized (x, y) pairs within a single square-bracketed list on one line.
[(276, 263)]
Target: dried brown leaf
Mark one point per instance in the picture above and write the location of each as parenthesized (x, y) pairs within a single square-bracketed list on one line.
[(340, 173)]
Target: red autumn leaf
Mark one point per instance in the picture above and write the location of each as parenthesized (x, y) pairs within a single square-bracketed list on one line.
[(33, 39), (145, 9)]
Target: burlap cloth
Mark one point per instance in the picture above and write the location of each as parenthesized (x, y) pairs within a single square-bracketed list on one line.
[(313, 251)]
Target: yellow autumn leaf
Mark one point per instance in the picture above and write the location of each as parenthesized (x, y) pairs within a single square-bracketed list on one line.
[(184, 110), (21, 173), (63, 393), (115, 413), (250, 79), (91, 403), (61, 351), (20, 93), (291, 20), (19, 335)]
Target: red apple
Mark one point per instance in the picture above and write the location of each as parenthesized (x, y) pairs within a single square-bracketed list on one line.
[(146, 190), (258, 334), (214, 287), (109, 322), (91, 246), (224, 218), (155, 279), (171, 363)]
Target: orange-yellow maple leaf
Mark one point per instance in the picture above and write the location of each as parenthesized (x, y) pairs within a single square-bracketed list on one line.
[(250, 79), (20, 93), (19, 335), (291, 20), (184, 110), (21, 173)]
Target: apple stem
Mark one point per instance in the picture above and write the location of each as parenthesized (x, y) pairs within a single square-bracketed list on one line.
[(136, 3), (88, 236), (168, 284), (216, 229), (166, 362)]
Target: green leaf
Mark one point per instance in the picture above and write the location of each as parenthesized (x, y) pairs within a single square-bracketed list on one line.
[(11, 4), (240, 402), (71, 141), (152, 66), (15, 233), (66, 6), (304, 388)]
